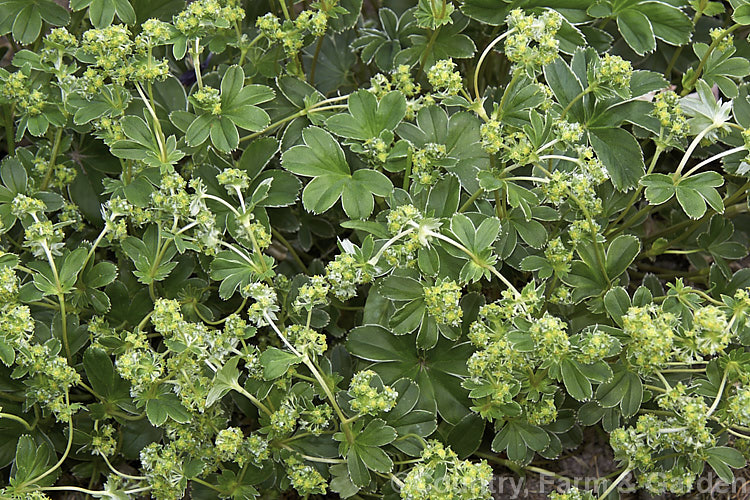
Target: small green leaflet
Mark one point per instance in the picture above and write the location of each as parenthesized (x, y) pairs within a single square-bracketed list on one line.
[(322, 158)]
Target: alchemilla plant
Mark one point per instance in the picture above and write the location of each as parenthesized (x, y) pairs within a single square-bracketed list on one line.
[(371, 249)]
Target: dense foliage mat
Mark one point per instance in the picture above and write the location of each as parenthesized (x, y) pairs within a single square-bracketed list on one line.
[(355, 249)]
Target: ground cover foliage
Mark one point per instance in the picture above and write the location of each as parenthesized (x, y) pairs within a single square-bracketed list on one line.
[(367, 250)]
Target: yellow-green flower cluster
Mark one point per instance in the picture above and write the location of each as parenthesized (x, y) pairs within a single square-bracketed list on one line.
[(284, 420), (711, 330), (26, 205), (652, 336), (16, 88), (444, 78), (203, 17), (60, 39), (442, 475), (172, 198), (317, 419), (569, 133), (208, 98), (541, 412), (591, 166), (162, 465), (558, 256), (518, 149), (491, 133), (103, 441), (723, 39), (584, 230), (306, 340), (43, 236), (314, 293), (442, 302), (739, 406), (344, 273), (265, 304), (305, 478), (50, 376), (228, 444), (367, 399), (426, 163), (670, 115), (233, 179), (595, 346), (153, 33), (8, 285), (613, 73), (532, 41), (111, 46), (550, 337)]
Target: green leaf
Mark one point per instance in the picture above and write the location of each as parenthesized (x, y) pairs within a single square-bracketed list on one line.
[(103, 378), (367, 118), (621, 155), (400, 288), (438, 371), (636, 29), (101, 274), (721, 458), (224, 381), (31, 461), (276, 362), (320, 155), (621, 252), (576, 383), (166, 405), (27, 25)]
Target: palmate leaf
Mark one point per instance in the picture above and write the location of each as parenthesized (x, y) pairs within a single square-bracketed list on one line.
[(322, 158), (367, 117), (438, 372), (642, 22)]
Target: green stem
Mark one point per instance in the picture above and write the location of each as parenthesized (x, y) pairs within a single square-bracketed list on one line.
[(638, 190), (195, 51), (52, 159), (314, 64), (718, 394), (613, 486), (471, 200), (65, 453), (484, 55), (291, 249), (237, 387), (577, 98), (10, 416), (690, 84)]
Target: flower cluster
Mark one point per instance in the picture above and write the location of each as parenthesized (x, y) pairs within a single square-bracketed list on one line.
[(265, 305), (204, 17), (671, 118), (532, 41), (610, 75), (103, 441), (444, 78), (426, 163), (345, 272), (442, 302), (314, 293), (306, 340), (369, 399), (443, 475), (652, 336), (305, 478)]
